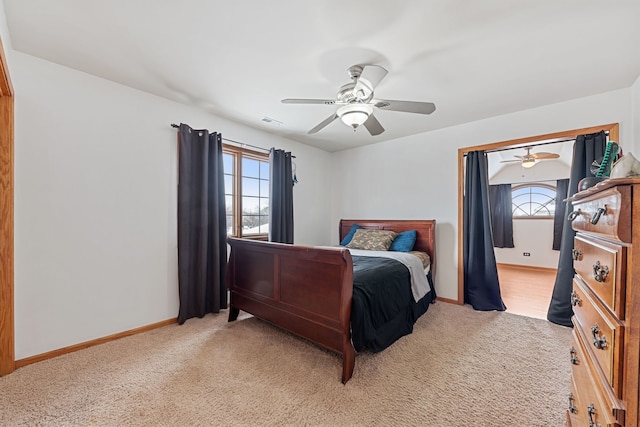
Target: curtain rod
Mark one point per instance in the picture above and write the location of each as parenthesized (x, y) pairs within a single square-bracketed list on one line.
[(536, 144), (510, 147), (497, 150), (535, 181), (173, 125)]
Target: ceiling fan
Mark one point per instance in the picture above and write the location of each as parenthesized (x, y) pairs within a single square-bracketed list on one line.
[(530, 159), (357, 102)]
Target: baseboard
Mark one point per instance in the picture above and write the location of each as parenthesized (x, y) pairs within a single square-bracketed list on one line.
[(449, 301), (72, 348), (59, 352), (528, 267)]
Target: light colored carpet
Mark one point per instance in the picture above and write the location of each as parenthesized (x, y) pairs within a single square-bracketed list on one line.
[(460, 367)]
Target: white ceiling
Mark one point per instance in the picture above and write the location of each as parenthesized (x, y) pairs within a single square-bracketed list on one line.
[(238, 59)]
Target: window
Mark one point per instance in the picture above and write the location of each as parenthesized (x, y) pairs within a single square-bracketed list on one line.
[(533, 201), (246, 188)]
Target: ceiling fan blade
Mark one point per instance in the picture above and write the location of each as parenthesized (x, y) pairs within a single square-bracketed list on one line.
[(308, 101), (510, 161), (324, 123), (545, 155), (521, 157), (405, 106), (371, 76), (373, 125)]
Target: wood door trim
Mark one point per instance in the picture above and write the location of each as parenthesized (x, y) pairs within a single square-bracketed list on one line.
[(7, 341), (614, 135)]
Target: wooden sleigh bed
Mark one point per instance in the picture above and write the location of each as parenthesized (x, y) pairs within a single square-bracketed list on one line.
[(308, 291)]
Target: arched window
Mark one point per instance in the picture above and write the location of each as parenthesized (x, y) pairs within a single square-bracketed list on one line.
[(533, 200)]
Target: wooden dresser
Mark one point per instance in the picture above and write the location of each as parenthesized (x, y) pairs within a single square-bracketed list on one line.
[(604, 352)]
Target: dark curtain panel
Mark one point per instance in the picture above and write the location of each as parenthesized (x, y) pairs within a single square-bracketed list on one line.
[(501, 215), (562, 189), (202, 228), (586, 149), (481, 286), (280, 197)]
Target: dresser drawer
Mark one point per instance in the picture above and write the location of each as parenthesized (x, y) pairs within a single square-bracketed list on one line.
[(576, 408), (585, 409), (603, 332), (601, 265), (591, 399), (607, 213)]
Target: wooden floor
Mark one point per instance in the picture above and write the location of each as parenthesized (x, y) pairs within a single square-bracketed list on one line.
[(526, 290)]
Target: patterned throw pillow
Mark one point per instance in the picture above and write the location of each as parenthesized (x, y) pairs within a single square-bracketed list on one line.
[(372, 240), (424, 257)]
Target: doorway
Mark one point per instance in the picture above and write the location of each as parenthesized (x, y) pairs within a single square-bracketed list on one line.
[(612, 129), (526, 250), (526, 290)]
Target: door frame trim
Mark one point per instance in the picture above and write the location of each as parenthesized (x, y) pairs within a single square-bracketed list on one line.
[(7, 182)]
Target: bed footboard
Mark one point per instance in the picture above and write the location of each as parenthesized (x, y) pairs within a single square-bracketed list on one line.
[(302, 289)]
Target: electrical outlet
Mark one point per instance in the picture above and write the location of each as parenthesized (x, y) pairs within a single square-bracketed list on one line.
[(526, 254)]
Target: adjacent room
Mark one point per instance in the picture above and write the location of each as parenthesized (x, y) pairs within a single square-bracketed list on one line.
[(279, 213), (528, 259)]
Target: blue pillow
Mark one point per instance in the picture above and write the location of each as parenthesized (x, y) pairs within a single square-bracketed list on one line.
[(404, 241), (350, 234)]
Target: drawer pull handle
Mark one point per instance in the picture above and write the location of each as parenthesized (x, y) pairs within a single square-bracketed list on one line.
[(576, 254), (574, 358), (599, 342), (599, 213), (591, 410), (572, 407), (575, 299), (573, 215), (600, 273)]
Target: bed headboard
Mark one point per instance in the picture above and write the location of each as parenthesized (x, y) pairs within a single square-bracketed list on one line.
[(425, 232)]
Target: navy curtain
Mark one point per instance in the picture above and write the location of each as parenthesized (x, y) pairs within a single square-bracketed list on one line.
[(481, 285), (562, 189), (280, 197), (586, 149), (501, 215), (202, 228)]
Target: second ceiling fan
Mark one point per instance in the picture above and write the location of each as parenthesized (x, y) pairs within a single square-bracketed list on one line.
[(529, 159), (357, 102)]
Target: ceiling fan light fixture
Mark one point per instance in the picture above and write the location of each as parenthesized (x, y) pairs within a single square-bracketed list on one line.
[(355, 114), (528, 163)]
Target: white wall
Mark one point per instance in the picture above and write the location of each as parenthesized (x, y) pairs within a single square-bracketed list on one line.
[(416, 177), (635, 114), (95, 205), (534, 237)]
